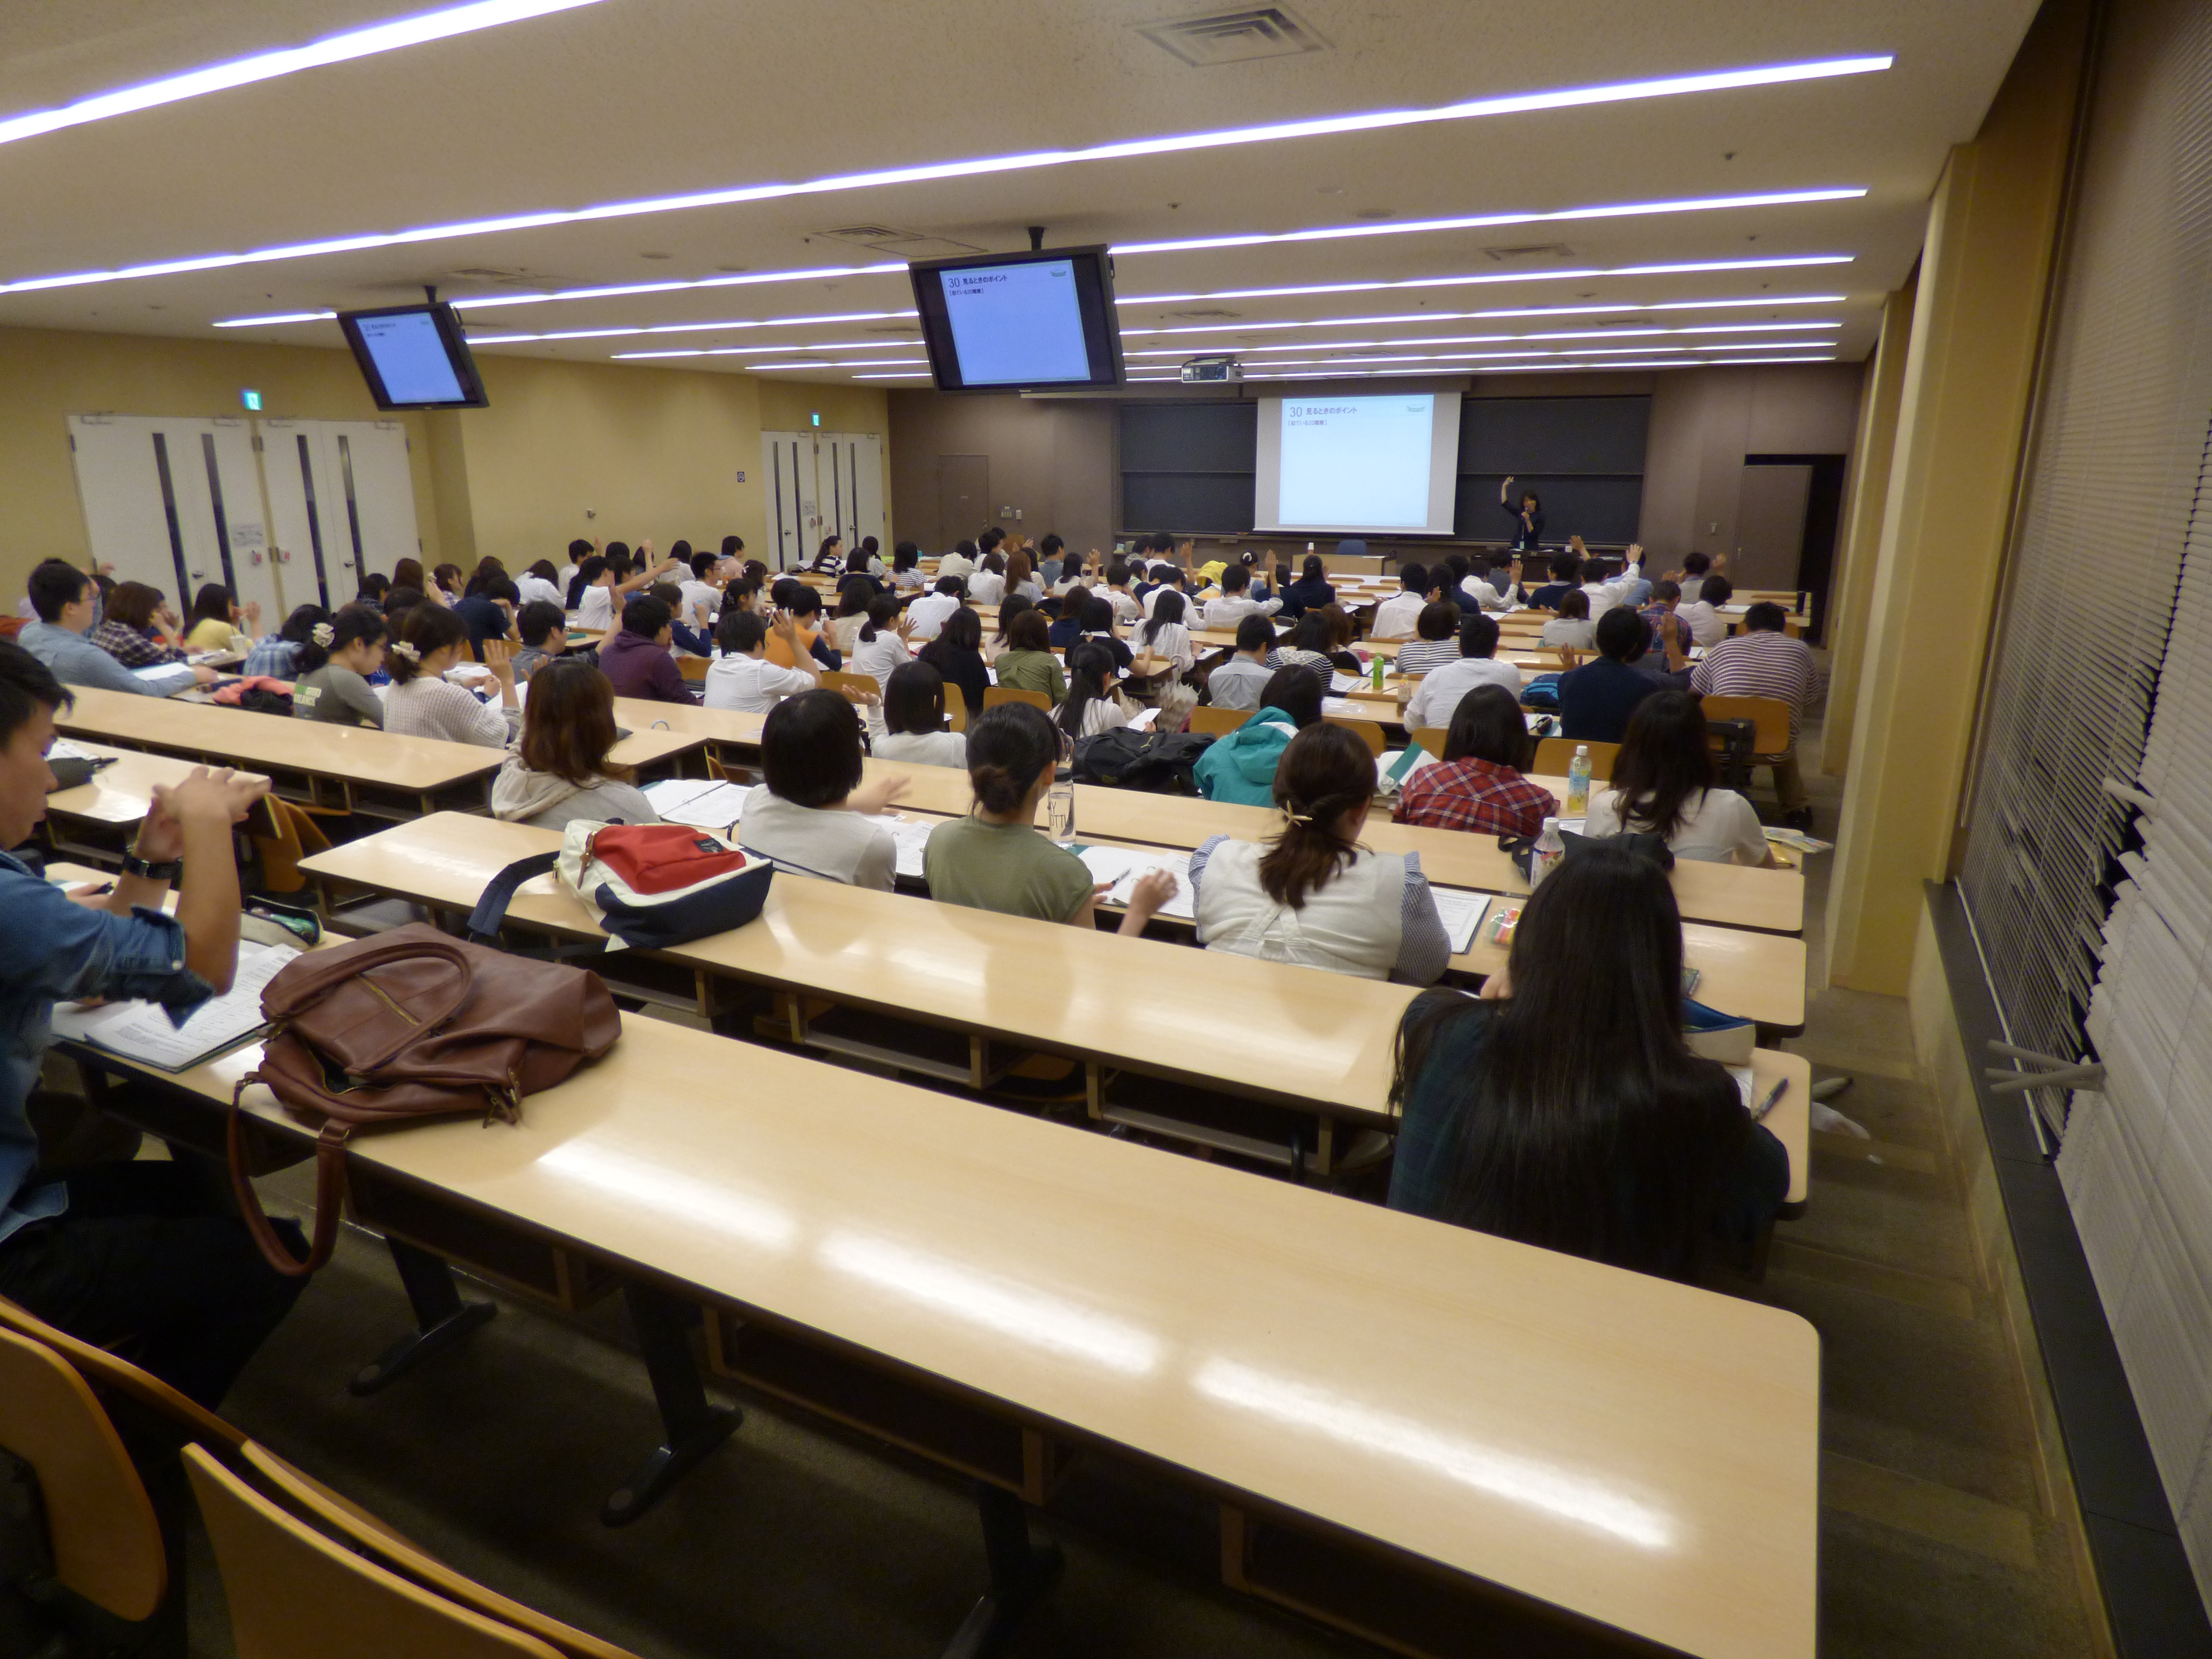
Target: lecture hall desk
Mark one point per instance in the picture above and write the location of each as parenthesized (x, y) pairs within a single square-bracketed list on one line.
[(1451, 1429), (1316, 1044)]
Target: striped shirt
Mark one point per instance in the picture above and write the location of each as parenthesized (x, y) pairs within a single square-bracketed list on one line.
[(1758, 664)]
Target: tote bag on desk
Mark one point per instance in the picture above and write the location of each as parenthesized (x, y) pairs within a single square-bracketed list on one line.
[(405, 1025)]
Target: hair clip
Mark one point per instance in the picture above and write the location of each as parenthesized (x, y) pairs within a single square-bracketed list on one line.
[(1298, 818), (323, 634), (405, 652)]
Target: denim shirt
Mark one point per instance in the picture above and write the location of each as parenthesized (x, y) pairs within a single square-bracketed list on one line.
[(60, 950)]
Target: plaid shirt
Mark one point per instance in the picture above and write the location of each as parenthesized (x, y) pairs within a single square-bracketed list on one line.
[(1657, 616), (273, 655), (133, 649), (1475, 794)]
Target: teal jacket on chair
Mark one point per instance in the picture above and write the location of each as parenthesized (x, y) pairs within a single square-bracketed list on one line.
[(1240, 765)]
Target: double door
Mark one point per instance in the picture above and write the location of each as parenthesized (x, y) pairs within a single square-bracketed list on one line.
[(821, 484), (283, 512)]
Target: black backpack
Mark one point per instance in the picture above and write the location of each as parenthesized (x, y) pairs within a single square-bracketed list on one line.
[(1160, 761)]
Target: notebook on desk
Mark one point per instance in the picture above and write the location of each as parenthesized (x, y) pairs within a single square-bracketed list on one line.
[(142, 1031)]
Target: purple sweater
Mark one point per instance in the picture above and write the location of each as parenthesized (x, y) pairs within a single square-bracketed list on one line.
[(639, 668)]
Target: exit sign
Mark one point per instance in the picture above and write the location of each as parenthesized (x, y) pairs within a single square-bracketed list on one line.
[(815, 416), (251, 399)]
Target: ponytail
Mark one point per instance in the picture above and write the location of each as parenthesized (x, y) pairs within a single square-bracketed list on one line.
[(1327, 773), (1008, 747), (428, 629), (881, 611), (1089, 673)]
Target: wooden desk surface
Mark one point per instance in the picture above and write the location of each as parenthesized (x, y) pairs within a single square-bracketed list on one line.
[(1732, 896), (117, 795), (1298, 1034), (1639, 1452), (640, 717)]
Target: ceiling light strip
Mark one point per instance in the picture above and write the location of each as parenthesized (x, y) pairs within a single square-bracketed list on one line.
[(1770, 75), (1788, 263), (291, 60), (1481, 339)]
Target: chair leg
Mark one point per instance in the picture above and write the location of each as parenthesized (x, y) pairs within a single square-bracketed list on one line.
[(1021, 1571), (442, 1319), (693, 1427)]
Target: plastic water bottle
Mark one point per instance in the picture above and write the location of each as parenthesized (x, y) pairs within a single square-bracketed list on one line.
[(1578, 782), (1375, 663), (1059, 811), (1550, 849)]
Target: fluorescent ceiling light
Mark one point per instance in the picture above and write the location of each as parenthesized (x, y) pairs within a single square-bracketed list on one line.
[(1530, 368), (1772, 75), (1491, 220), (911, 374), (1482, 339), (268, 65), (1787, 263), (864, 362)]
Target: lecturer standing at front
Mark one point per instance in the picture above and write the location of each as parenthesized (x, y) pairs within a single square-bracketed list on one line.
[(1528, 518)]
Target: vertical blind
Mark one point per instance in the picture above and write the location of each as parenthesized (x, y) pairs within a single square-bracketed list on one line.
[(2094, 911)]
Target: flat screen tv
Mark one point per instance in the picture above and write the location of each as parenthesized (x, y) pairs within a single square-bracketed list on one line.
[(414, 357), (1020, 322)]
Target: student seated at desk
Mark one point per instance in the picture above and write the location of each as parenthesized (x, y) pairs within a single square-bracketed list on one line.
[(927, 614), (1708, 627), (636, 659), (214, 624), (1240, 765), (1664, 783), (1311, 591), (1478, 784), (1236, 602), (1311, 648), (1442, 688), (803, 606), (276, 655), (905, 569), (560, 771), (374, 587), (1001, 640), (812, 817), (131, 628), (1127, 609), (1597, 699), (988, 583), (914, 720), (1489, 584), (1094, 704), (1438, 627), (995, 859), (957, 654), (1237, 682), (880, 646), (1572, 629), (1313, 895), (1396, 617), (544, 631), (680, 636), (960, 562), (335, 664), (1562, 1109), (1163, 642), (1098, 614), (126, 1251), (488, 606), (1566, 574), (424, 703), (541, 584), (66, 603), (1027, 663), (851, 615), (742, 678)]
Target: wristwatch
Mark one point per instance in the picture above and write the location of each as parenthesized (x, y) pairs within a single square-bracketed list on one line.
[(165, 870)]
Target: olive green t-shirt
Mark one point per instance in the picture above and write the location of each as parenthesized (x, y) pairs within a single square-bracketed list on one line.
[(1033, 671), (1006, 867)]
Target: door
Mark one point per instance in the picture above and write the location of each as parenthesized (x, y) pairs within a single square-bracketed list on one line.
[(144, 482), (821, 484), (233, 474), (848, 470), (963, 497), (1771, 526), (787, 459), (304, 539), (341, 503)]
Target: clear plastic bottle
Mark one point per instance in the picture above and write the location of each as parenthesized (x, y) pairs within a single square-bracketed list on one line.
[(1578, 782), (1375, 665), (1550, 849), (1059, 809)]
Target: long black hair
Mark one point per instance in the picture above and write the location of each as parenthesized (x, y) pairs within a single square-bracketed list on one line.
[(1166, 609), (1605, 1138), (1090, 679), (1665, 764)]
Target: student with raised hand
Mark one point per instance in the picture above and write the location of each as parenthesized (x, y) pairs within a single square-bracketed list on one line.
[(1237, 682), (880, 646), (1572, 630), (1163, 641), (1442, 688), (1093, 704), (681, 637), (559, 772), (914, 720), (1664, 783), (66, 603), (812, 817), (1240, 766), (130, 627), (995, 859), (1670, 635), (1478, 784), (424, 703), (128, 1251), (1490, 583), (796, 600), (1523, 1114), (276, 655), (742, 678), (489, 607), (214, 624), (335, 664), (1397, 616), (541, 584), (1028, 664), (544, 629), (1313, 895)]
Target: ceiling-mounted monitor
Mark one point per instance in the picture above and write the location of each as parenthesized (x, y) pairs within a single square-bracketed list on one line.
[(414, 357), (1020, 322)]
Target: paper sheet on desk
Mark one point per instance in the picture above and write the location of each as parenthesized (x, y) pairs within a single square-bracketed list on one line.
[(141, 1031), (62, 749), (1462, 913), (910, 835), (709, 804), (1125, 867)]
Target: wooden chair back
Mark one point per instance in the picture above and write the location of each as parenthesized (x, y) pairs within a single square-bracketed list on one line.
[(1207, 718), (693, 669), (995, 694), (100, 1526), (1554, 755), (1368, 732), (111, 1374), (294, 1592), (1769, 718), (327, 1512), (956, 709), (292, 834), (858, 688), (1431, 737)]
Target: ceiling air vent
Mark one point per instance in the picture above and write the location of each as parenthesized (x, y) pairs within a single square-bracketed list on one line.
[(1234, 37), (1208, 314), (903, 244), (1529, 250)]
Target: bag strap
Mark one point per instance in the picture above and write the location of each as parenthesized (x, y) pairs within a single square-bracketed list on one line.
[(490, 914), (325, 972), (329, 1191)]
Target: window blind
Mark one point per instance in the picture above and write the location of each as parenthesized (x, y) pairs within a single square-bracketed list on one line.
[(2095, 911)]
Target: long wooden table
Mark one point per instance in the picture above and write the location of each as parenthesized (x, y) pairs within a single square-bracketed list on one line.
[(1450, 1429), (1313, 1043), (1732, 896), (356, 767)]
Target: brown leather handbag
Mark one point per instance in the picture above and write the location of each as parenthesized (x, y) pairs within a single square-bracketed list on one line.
[(407, 1025)]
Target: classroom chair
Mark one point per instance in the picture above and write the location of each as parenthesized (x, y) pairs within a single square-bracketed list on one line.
[(1747, 731), (995, 694), (1368, 732), (282, 833), (1207, 718), (1554, 755), (293, 1592), (1431, 737), (956, 709), (858, 688), (693, 669)]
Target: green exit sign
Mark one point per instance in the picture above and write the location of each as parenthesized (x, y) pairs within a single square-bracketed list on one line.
[(251, 399), (815, 416)]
